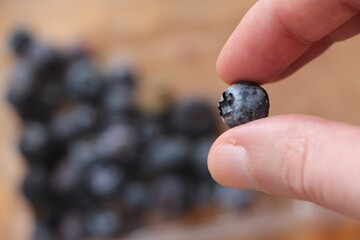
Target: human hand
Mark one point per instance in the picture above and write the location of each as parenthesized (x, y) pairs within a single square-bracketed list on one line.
[(293, 156)]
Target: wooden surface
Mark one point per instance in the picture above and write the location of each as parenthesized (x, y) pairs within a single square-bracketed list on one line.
[(174, 44)]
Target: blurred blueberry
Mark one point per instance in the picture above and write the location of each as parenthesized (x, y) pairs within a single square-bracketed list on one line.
[(42, 232), (77, 52), (135, 196), (65, 179), (117, 142), (81, 152), (102, 223), (118, 99), (52, 95), (71, 226), (73, 122), (35, 143), (194, 118), (122, 75), (232, 199), (23, 92), (35, 185), (199, 153), (49, 62), (202, 193), (166, 154), (20, 41), (169, 195), (83, 80), (103, 179)]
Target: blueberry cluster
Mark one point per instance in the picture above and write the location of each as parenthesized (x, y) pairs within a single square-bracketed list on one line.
[(98, 164)]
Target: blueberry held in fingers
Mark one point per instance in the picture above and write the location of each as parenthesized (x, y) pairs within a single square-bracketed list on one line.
[(242, 103)]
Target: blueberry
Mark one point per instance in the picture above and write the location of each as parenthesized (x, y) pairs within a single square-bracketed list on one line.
[(69, 123), (30, 96), (202, 193), (193, 118), (23, 84), (116, 142), (20, 41), (34, 142), (117, 99), (49, 62), (165, 154), (232, 199), (52, 94), (81, 152), (71, 226), (170, 195), (200, 150), (83, 80), (35, 185), (135, 197), (65, 178), (77, 51), (103, 179), (42, 232), (122, 75), (242, 103), (102, 223)]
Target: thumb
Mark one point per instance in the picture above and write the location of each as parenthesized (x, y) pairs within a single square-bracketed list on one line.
[(292, 156)]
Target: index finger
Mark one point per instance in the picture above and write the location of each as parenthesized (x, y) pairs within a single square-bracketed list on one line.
[(274, 33)]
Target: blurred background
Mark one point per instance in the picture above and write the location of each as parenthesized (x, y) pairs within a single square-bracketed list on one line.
[(173, 45)]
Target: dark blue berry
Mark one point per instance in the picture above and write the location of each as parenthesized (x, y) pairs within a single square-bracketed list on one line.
[(117, 99), (69, 123), (103, 179), (42, 232), (23, 84), (116, 142), (202, 193), (71, 226), (232, 199), (49, 62), (34, 142), (65, 178), (200, 150), (122, 75), (165, 154), (35, 185), (194, 118), (81, 152), (20, 41), (102, 223), (83, 80), (170, 195), (135, 197), (242, 103)]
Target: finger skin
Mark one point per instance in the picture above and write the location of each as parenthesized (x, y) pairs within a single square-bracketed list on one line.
[(345, 31), (275, 33), (292, 156), (315, 50)]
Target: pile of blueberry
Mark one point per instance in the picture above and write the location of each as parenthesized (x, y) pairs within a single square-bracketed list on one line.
[(98, 165)]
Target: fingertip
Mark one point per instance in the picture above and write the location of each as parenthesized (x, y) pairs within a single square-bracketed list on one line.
[(222, 68), (227, 163)]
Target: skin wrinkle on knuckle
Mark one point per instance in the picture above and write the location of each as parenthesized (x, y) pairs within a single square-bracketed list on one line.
[(352, 4), (357, 19), (293, 162), (357, 22)]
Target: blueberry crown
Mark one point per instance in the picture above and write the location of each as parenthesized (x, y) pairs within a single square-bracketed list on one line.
[(225, 103)]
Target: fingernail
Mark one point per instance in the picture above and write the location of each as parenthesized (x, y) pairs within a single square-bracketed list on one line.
[(228, 164)]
